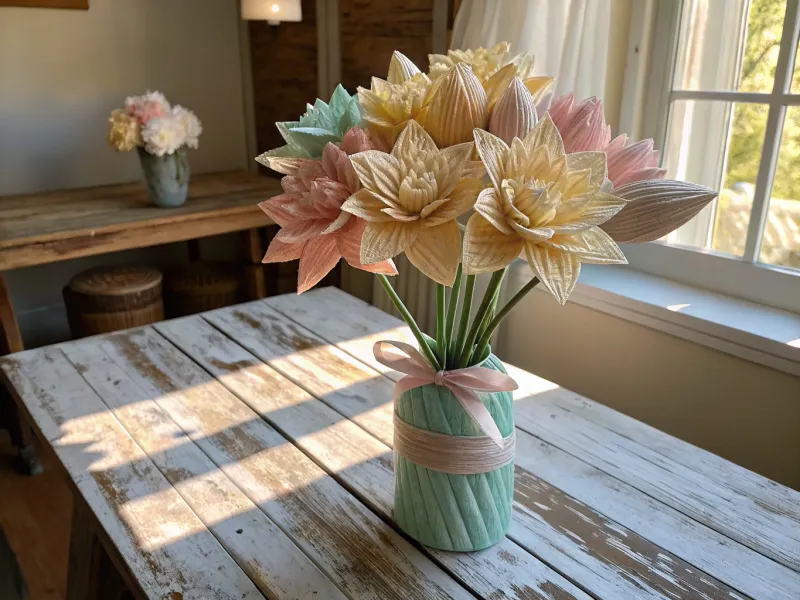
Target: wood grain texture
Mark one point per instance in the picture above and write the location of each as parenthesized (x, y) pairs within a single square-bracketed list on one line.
[(372, 29), (362, 555), (354, 326), (285, 345), (63, 224), (356, 459), (160, 539), (11, 340), (274, 563), (672, 482), (284, 67), (71, 4)]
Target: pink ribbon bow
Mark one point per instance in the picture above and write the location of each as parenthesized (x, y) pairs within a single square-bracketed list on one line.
[(462, 382)]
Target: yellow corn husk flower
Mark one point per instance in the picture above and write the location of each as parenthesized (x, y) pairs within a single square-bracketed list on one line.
[(543, 205), (411, 199), (484, 62), (124, 133), (389, 105)]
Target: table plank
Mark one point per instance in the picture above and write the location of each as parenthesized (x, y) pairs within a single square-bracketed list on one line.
[(63, 224), (553, 536), (356, 459), (363, 556), (735, 515), (268, 556), (163, 543), (729, 561)]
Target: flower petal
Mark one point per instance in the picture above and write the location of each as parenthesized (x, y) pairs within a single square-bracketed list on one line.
[(545, 135), (302, 230), (378, 172), (348, 241), (490, 207), (276, 208), (579, 213), (493, 152), (514, 115), (486, 249), (436, 252), (654, 208), (382, 241), (591, 246), (557, 270), (319, 256), (279, 251), (461, 200), (538, 86), (457, 107), (412, 142), (497, 85), (535, 235), (366, 205), (595, 161), (401, 68)]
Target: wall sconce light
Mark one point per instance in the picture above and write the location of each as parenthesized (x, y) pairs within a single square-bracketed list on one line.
[(272, 11)]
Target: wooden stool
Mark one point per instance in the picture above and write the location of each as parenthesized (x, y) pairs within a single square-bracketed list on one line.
[(201, 286), (107, 299)]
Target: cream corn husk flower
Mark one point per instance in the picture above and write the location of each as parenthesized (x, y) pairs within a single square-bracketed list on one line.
[(484, 62), (389, 105), (543, 205), (411, 199)]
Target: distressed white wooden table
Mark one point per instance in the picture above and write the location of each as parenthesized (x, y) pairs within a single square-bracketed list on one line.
[(246, 453)]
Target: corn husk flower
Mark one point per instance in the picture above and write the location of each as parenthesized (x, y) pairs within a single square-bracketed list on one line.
[(390, 104), (124, 132), (411, 199), (322, 123), (543, 205), (655, 206), (313, 226), (482, 89)]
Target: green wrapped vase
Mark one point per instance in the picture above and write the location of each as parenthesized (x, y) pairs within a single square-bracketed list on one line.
[(458, 512)]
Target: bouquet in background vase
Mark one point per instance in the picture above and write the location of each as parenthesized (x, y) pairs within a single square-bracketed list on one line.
[(390, 171), (160, 133)]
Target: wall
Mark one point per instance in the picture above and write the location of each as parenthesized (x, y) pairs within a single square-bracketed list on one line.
[(62, 72), (745, 412)]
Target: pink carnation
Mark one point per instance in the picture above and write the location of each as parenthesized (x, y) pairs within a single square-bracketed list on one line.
[(583, 127), (148, 106), (313, 226)]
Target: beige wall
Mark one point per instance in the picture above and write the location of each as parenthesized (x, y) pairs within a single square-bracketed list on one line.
[(615, 64), (745, 412), (63, 71)]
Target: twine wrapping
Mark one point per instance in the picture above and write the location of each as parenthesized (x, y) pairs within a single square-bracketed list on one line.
[(458, 455)]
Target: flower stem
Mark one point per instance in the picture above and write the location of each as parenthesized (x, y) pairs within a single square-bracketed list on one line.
[(412, 324), (441, 329), (491, 289), (495, 322), (466, 307), (451, 314), (487, 318)]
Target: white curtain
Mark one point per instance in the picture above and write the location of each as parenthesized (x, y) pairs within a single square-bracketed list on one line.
[(569, 40)]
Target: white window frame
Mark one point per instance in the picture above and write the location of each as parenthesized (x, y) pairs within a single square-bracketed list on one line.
[(647, 97)]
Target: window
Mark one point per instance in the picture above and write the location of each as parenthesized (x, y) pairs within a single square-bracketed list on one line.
[(724, 107)]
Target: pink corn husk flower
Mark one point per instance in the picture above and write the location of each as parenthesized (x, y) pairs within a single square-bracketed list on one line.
[(313, 228), (583, 128)]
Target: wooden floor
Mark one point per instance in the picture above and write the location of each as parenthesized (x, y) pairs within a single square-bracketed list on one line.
[(35, 516)]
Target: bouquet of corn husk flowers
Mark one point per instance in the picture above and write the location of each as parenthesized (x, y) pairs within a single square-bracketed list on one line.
[(396, 169)]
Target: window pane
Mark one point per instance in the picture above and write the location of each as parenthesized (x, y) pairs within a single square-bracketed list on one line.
[(781, 242), (716, 144), (719, 49)]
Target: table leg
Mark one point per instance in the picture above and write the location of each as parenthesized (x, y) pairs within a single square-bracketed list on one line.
[(193, 246), (11, 341), (91, 573), (85, 555), (255, 282)]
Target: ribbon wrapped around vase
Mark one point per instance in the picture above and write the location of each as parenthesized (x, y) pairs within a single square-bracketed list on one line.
[(462, 382)]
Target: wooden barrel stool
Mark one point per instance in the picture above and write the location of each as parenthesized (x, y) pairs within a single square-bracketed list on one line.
[(107, 299), (201, 286)]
